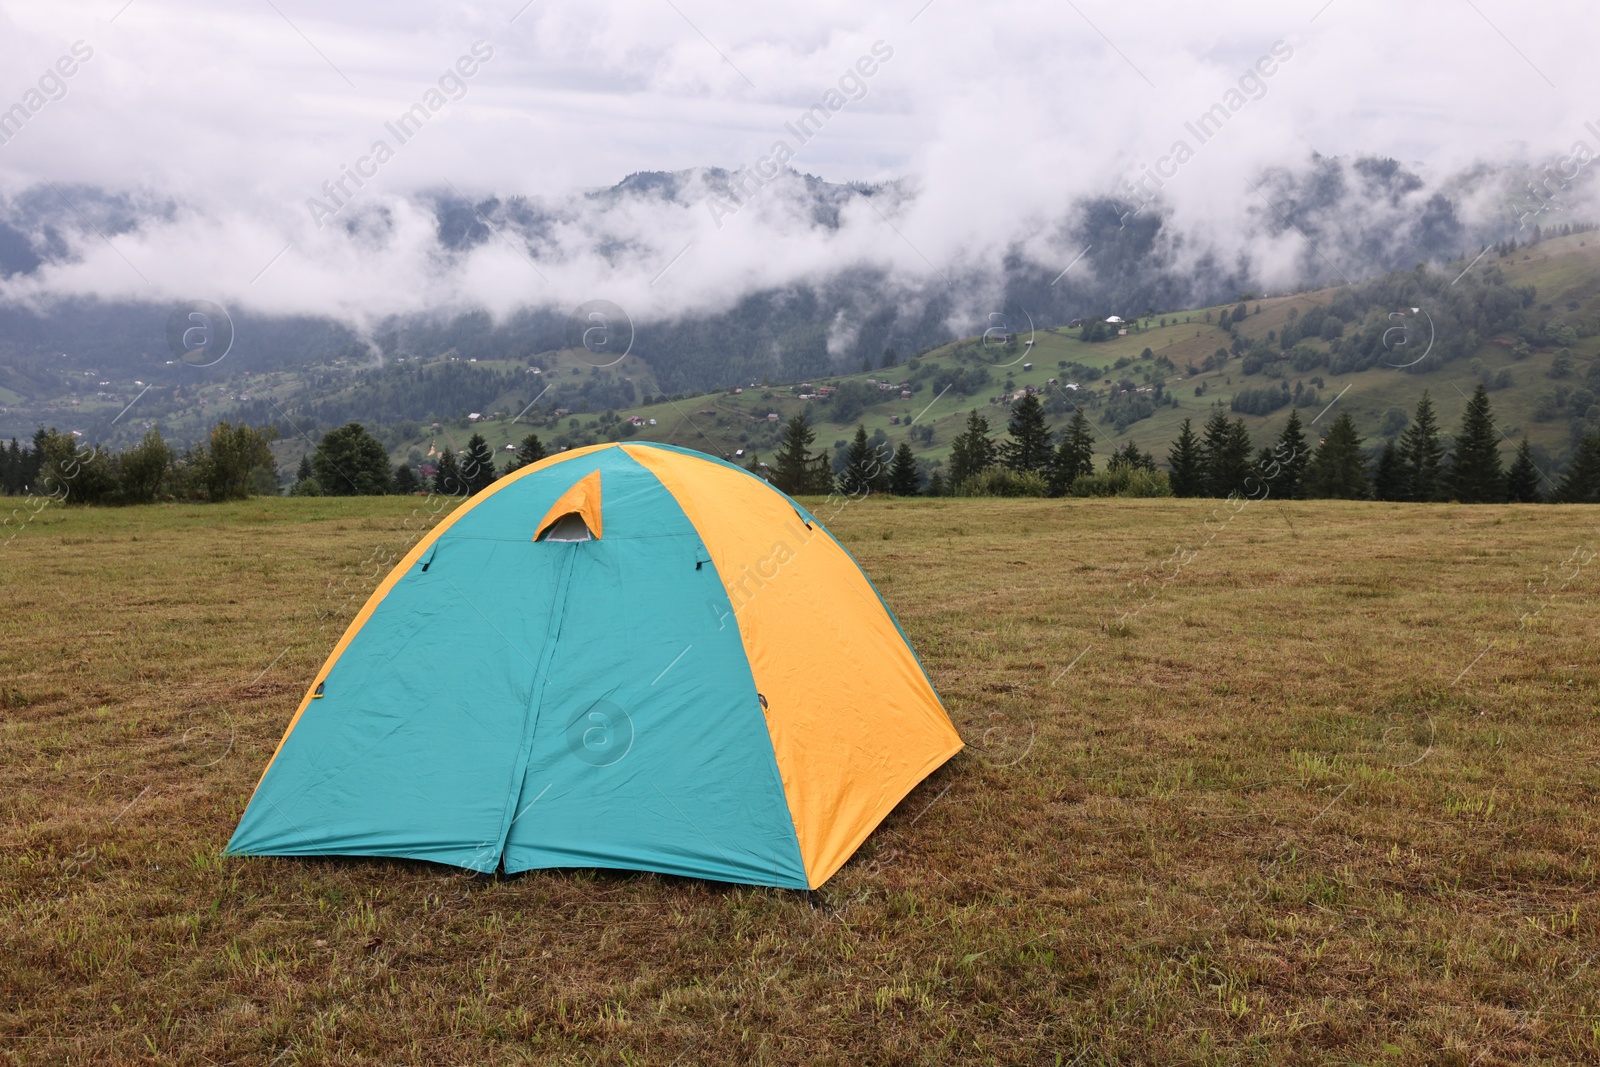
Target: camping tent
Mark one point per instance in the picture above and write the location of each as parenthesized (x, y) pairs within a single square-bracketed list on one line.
[(629, 656)]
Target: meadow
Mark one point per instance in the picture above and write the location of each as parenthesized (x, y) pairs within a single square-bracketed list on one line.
[(1286, 782)]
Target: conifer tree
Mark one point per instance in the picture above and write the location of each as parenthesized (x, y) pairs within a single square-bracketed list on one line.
[(903, 477), (447, 479), (973, 450), (11, 470), (1476, 476), (1075, 457), (1581, 483), (531, 450), (798, 471), (1338, 469), (1389, 483), (477, 468), (864, 468), (1129, 457), (1261, 469), (1213, 446), (1421, 453), (1290, 454), (405, 480), (305, 473), (1029, 446), (1522, 481), (936, 486), (1225, 451), (1184, 463)]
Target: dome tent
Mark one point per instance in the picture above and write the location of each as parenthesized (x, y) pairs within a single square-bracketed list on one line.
[(627, 656)]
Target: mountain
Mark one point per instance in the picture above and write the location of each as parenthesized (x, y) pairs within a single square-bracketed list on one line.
[(78, 359)]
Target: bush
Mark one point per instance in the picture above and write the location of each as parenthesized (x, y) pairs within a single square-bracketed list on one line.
[(234, 462), (1002, 481), (79, 474), (1121, 481)]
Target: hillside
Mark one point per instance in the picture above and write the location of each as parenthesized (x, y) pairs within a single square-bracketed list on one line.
[(1545, 297), (1563, 273)]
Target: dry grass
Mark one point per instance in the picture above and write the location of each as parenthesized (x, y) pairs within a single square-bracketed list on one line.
[(1263, 817)]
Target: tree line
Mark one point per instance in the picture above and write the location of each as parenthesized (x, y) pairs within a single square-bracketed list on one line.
[(233, 462), (1219, 460), (350, 461)]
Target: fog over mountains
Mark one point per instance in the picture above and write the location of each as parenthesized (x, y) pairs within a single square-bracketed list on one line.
[(762, 190), (788, 275)]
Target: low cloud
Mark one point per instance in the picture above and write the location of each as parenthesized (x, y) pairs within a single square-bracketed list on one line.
[(997, 148)]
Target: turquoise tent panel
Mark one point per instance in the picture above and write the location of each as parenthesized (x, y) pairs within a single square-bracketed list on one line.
[(412, 750), (651, 751)]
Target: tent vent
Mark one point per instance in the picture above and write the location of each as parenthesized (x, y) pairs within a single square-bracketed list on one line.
[(569, 527), (318, 693)]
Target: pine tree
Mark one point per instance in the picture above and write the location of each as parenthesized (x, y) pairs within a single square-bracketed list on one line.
[(305, 473), (864, 468), (405, 480), (1522, 481), (477, 468), (1421, 453), (1389, 483), (1184, 463), (1290, 454), (1476, 476), (1581, 483), (1261, 469), (903, 477), (447, 480), (1238, 456), (1129, 457), (1225, 452), (1075, 458), (1338, 469), (798, 470), (531, 450), (1029, 446), (12, 482), (1213, 446), (936, 484), (973, 450)]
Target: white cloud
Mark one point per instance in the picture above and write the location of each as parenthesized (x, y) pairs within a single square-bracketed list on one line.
[(999, 117)]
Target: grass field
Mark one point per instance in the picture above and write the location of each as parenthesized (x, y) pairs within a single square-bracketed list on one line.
[(1298, 783)]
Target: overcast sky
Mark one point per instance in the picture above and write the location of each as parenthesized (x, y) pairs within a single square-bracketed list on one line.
[(999, 115)]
